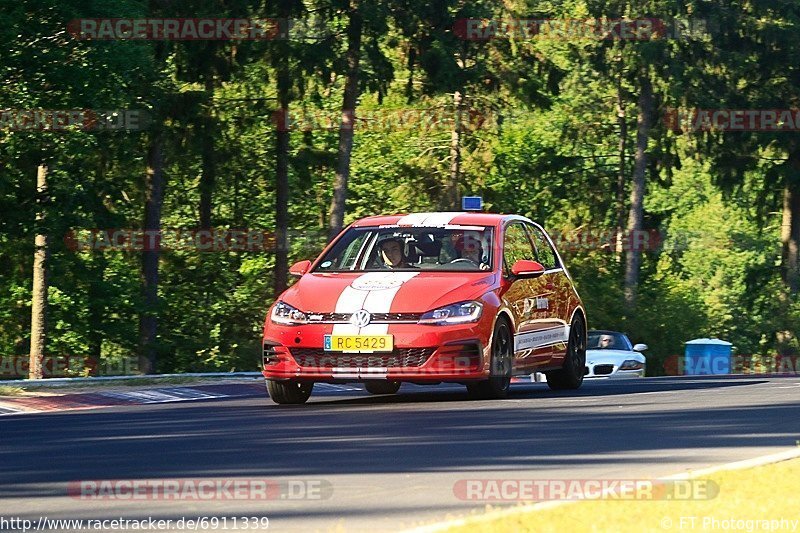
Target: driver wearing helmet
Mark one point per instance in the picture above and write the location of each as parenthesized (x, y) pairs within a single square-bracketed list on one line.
[(391, 251)]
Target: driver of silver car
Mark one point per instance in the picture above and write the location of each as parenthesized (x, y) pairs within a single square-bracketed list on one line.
[(606, 342)]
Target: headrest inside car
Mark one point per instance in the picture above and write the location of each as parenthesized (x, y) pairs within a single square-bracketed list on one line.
[(427, 246)]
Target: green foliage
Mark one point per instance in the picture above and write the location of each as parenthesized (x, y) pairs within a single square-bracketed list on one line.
[(548, 148)]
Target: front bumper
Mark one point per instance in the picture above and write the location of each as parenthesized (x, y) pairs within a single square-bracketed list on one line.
[(421, 354), (609, 371)]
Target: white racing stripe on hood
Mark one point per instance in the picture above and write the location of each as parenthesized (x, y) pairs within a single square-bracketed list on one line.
[(374, 300), (413, 219), (439, 219), (428, 219), (350, 301)]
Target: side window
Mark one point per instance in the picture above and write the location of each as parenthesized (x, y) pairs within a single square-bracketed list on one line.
[(544, 252), (516, 246)]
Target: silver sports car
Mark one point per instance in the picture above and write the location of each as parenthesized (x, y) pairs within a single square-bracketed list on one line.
[(609, 354)]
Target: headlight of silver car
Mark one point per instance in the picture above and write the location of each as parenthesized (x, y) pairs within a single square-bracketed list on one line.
[(459, 313), (631, 364), (283, 313)]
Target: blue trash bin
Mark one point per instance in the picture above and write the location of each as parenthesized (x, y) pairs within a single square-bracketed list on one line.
[(707, 357)]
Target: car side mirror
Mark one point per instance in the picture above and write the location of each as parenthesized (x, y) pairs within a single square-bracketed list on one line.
[(639, 347), (300, 268), (525, 268)]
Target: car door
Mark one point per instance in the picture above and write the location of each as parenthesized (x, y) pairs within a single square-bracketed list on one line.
[(555, 288), (526, 298)]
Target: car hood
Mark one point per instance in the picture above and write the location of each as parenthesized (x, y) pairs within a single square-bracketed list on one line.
[(612, 356), (383, 292)]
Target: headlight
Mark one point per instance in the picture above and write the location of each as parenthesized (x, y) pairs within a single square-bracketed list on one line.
[(631, 364), (459, 313), (284, 313)]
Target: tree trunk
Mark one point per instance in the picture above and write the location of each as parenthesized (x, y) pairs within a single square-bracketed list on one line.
[(338, 203), (282, 213), (790, 228), (154, 199), (633, 258), (621, 177), (411, 65), (208, 173), (282, 182), (455, 152), (40, 280), (98, 310)]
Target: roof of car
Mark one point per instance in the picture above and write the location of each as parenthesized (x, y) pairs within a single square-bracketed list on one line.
[(434, 219)]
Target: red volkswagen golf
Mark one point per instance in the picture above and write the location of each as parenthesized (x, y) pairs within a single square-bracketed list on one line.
[(471, 298)]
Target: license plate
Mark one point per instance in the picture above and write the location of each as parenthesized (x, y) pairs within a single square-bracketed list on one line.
[(359, 343)]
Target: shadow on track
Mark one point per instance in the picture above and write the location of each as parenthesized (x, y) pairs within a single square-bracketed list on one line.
[(520, 391), (420, 432)]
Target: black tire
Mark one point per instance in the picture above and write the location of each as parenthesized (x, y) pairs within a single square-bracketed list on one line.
[(382, 387), (501, 365), (570, 375), (289, 392)]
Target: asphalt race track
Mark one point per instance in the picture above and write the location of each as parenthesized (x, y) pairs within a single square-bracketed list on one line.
[(390, 462)]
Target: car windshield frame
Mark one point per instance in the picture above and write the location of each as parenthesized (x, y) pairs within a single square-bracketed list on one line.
[(376, 234), (618, 337)]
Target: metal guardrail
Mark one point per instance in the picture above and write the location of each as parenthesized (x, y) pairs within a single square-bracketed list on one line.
[(56, 382)]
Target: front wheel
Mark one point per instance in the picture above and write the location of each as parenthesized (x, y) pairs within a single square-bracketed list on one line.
[(501, 364), (382, 387), (570, 375), (289, 392)]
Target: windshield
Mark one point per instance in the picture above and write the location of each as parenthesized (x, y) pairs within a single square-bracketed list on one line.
[(608, 340), (449, 248)]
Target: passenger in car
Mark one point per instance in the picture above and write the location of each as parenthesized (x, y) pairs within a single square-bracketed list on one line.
[(471, 249)]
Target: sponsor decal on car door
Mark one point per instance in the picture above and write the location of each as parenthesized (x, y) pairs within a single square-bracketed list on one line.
[(557, 285), (531, 302), (542, 330)]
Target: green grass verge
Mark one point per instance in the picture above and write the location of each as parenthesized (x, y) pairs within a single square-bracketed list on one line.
[(8, 390), (746, 497)]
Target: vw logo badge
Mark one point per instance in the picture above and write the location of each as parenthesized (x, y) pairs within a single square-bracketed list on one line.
[(360, 318)]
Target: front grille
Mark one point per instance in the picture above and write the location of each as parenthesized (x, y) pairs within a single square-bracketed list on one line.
[(602, 370), (399, 357), (375, 318)]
